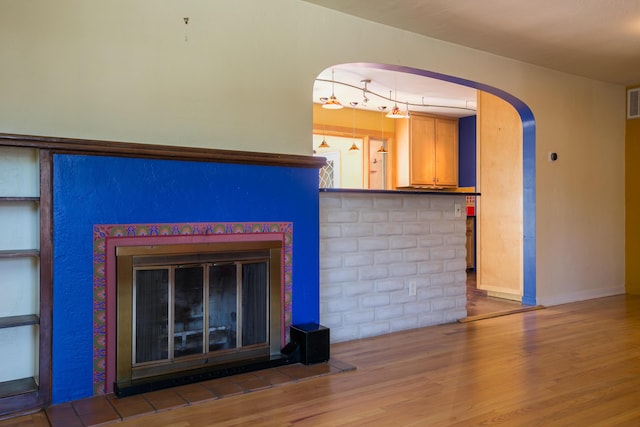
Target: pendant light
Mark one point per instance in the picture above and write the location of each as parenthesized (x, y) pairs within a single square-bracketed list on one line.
[(395, 112), (332, 103), (353, 147), (382, 149), (324, 143)]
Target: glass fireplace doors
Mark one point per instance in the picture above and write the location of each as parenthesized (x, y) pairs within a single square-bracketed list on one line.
[(180, 312), (170, 316)]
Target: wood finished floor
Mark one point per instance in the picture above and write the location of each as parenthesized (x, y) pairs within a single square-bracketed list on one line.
[(571, 365), (102, 410)]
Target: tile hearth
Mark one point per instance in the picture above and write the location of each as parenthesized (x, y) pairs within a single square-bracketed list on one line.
[(107, 409)]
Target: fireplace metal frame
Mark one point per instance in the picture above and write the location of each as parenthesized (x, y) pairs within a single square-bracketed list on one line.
[(126, 258)]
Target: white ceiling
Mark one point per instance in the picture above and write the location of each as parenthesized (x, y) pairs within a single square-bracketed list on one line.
[(424, 94), (598, 39)]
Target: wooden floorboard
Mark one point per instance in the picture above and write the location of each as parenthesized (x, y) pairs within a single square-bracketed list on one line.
[(570, 365)]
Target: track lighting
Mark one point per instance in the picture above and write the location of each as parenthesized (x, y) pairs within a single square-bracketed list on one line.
[(364, 91), (395, 112)]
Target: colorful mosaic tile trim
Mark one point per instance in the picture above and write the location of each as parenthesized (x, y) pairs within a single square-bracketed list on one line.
[(101, 234)]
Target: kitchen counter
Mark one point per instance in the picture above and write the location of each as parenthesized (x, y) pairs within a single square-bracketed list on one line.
[(391, 260), (403, 190)]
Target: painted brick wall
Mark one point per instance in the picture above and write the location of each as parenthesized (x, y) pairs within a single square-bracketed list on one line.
[(374, 246)]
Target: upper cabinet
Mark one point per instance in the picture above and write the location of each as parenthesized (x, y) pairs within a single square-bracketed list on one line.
[(427, 151)]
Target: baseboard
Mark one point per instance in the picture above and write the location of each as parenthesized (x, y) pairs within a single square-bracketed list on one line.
[(504, 295), (580, 296)]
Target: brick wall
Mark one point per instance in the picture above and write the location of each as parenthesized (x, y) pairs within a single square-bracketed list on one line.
[(374, 247)]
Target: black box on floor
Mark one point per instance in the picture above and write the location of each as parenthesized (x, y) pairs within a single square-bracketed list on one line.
[(313, 340)]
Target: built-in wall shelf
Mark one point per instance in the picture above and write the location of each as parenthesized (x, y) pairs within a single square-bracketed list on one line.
[(15, 321), (19, 253), (19, 199), (18, 387), (25, 362)]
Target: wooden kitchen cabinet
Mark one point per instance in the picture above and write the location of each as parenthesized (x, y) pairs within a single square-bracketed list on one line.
[(427, 151)]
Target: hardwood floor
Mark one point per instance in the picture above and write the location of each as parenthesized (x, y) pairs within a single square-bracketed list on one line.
[(571, 365)]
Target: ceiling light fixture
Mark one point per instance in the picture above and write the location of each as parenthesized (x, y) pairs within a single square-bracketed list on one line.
[(395, 112), (324, 143), (367, 92), (382, 149), (332, 103), (364, 91), (353, 147)]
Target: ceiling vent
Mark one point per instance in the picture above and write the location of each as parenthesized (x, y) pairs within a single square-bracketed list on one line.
[(633, 103)]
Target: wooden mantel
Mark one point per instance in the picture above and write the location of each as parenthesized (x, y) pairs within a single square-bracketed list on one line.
[(153, 151)]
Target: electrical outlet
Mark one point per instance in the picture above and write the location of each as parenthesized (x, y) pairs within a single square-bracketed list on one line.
[(458, 210), (412, 288)]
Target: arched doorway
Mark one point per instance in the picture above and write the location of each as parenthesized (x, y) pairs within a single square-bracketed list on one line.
[(528, 167)]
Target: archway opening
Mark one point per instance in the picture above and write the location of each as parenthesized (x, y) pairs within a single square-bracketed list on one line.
[(528, 196)]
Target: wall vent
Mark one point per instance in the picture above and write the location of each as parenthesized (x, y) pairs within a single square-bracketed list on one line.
[(633, 103)]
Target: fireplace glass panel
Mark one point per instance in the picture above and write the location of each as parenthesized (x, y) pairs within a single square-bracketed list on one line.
[(193, 309), (223, 307), (188, 311), (254, 303), (151, 314)]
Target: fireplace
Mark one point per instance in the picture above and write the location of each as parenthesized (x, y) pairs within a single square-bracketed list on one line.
[(185, 307), (140, 201), (185, 302)]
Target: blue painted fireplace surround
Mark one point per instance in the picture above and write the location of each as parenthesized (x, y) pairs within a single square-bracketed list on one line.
[(89, 190)]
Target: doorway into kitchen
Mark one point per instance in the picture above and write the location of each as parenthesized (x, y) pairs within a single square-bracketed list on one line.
[(481, 305), (511, 289)]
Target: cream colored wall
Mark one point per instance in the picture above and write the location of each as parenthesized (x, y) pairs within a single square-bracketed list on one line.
[(499, 216), (121, 70)]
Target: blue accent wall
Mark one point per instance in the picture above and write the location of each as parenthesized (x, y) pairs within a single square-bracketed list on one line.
[(467, 151), (90, 190)]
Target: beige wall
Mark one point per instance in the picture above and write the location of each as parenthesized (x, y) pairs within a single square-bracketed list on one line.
[(121, 70)]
